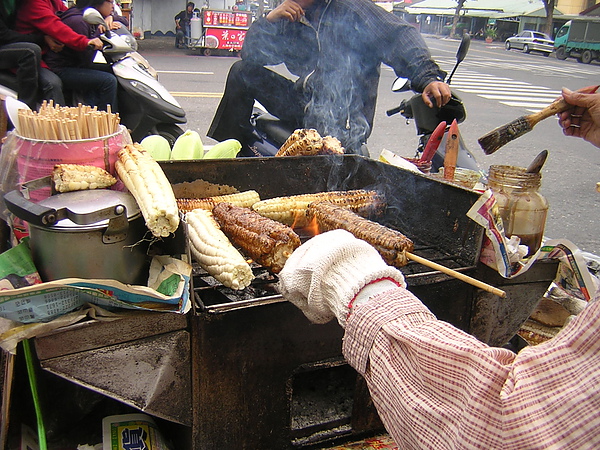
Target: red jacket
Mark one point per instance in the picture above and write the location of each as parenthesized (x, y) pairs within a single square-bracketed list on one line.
[(39, 16)]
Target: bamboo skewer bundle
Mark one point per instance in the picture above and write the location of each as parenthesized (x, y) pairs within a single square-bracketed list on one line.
[(54, 122)]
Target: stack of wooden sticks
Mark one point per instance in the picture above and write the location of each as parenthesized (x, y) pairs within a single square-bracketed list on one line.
[(55, 122)]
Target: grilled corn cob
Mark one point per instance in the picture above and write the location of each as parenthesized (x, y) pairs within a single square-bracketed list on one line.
[(304, 141), (246, 198), (292, 210), (332, 146), (391, 244), (214, 252), (75, 177), (147, 182), (268, 242)]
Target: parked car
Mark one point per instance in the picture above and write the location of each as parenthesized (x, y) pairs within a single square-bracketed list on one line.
[(529, 41)]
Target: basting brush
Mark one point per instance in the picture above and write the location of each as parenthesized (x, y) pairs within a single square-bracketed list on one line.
[(451, 155), (518, 127)]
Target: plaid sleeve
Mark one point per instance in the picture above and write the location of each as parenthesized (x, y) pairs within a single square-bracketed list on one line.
[(437, 387)]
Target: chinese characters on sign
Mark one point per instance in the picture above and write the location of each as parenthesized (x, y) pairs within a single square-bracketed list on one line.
[(227, 38), (226, 19)]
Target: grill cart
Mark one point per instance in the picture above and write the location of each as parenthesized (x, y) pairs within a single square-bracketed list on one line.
[(247, 370), (215, 31)]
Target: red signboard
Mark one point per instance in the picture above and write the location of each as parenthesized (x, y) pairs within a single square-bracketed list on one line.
[(227, 19), (226, 38)]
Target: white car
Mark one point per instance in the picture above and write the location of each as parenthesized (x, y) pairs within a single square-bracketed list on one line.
[(529, 41)]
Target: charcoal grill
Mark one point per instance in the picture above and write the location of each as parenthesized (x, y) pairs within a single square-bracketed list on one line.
[(263, 375)]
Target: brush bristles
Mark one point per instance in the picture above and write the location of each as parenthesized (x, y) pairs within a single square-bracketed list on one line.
[(504, 134)]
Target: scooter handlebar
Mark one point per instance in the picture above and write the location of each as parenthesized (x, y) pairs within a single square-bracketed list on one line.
[(396, 110)]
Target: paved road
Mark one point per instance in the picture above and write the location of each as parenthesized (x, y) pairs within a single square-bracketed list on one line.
[(496, 86)]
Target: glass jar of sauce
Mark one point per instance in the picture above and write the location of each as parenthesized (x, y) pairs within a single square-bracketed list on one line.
[(522, 207)]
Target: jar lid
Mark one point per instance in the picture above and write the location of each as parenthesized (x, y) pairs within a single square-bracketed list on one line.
[(90, 201)]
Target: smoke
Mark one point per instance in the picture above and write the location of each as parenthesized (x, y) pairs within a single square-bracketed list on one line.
[(334, 108), (336, 71), (336, 105)]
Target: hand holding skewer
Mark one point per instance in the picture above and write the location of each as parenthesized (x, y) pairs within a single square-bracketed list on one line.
[(393, 246)]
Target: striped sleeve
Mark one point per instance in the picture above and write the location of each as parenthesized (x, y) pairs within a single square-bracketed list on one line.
[(437, 387)]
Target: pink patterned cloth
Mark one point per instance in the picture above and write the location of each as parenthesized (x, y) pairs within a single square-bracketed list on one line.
[(437, 387)]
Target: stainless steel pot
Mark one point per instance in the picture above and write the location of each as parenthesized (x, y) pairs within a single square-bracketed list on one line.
[(85, 234)]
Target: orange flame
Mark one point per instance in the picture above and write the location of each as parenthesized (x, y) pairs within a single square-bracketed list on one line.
[(312, 229)]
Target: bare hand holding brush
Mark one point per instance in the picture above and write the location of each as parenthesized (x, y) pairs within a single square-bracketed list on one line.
[(500, 136), (583, 118)]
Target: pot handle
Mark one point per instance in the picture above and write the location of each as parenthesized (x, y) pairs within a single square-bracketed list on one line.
[(28, 211)]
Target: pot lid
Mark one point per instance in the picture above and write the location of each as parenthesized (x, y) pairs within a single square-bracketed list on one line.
[(89, 202)]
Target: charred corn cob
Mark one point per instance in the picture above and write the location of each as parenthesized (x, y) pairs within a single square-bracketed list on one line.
[(292, 210), (246, 199), (332, 146), (266, 241), (304, 141), (75, 177), (214, 252), (147, 182), (391, 244)]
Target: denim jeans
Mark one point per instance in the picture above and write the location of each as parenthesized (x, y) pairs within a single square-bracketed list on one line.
[(51, 85), (98, 88), (182, 36), (247, 81), (25, 57), (30, 78)]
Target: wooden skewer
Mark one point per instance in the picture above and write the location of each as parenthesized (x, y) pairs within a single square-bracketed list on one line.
[(461, 276), (54, 122)]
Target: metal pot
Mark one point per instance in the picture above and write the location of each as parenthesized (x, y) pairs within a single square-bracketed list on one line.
[(85, 234)]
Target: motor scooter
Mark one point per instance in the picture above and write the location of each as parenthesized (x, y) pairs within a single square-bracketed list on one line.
[(432, 123), (269, 132), (145, 105)]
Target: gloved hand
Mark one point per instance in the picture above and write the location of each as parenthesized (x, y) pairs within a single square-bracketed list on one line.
[(324, 275)]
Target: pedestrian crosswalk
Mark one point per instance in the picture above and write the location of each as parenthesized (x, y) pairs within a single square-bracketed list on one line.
[(536, 66), (505, 90), (509, 92)]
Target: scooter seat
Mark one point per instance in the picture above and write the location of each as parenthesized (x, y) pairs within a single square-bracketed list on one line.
[(273, 127), (8, 79)]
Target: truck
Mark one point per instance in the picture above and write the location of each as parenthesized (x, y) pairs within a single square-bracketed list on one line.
[(579, 38)]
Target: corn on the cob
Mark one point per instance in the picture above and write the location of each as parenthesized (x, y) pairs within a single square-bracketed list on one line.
[(75, 177), (215, 253), (292, 210), (147, 182), (391, 244), (246, 199), (268, 242), (304, 141), (332, 146)]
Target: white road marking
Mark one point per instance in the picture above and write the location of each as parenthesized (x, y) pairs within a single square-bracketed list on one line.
[(184, 72)]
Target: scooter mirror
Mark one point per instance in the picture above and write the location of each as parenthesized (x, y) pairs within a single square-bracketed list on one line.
[(93, 17), (463, 48), (401, 85)]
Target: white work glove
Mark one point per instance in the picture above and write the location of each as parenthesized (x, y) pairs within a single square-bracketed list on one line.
[(324, 275)]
